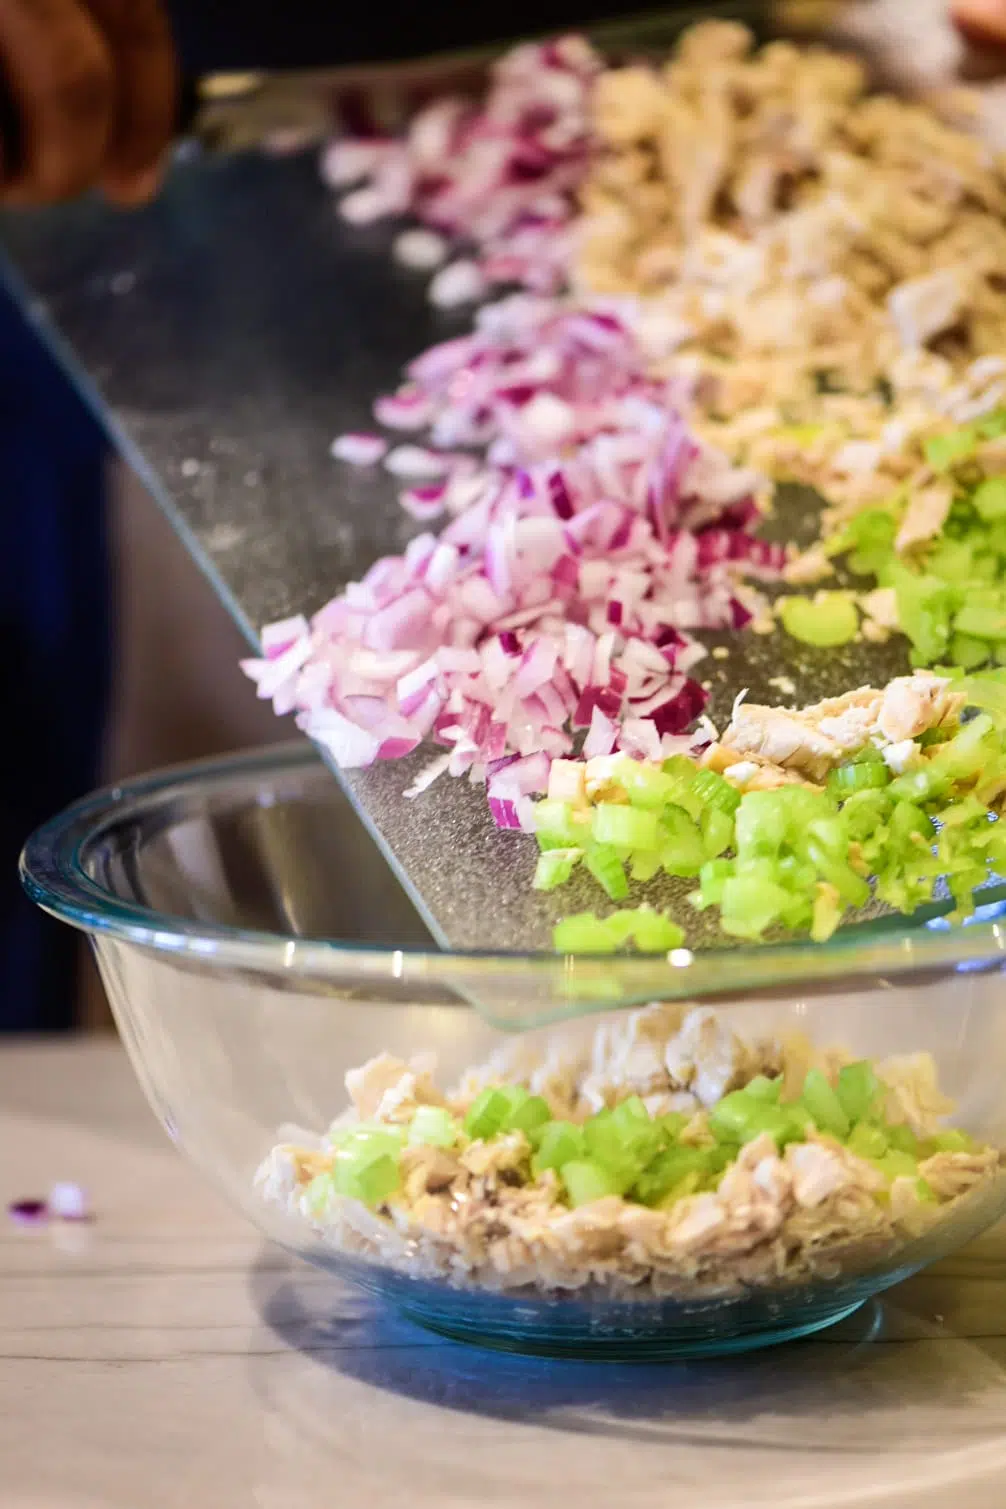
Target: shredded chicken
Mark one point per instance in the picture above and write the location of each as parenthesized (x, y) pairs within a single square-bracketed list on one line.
[(476, 1215), (822, 264), (811, 740)]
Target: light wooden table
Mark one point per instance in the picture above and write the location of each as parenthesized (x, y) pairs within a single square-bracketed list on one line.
[(161, 1358)]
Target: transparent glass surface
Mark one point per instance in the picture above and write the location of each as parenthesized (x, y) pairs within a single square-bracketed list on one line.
[(255, 947)]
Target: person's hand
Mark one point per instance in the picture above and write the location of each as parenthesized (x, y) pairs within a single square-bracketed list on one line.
[(91, 85), (982, 22)]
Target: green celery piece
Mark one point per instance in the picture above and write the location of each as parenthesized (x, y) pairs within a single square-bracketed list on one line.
[(852, 888), (529, 1115), (370, 1176), (560, 1142), (712, 877), (667, 1170), (741, 1117), (867, 1141), (763, 1088), (607, 869), (828, 620), (989, 498), (587, 1181), (925, 1193), (643, 867), (682, 849), (646, 786), (554, 868), (925, 608), (713, 790), (949, 449), (751, 905), (684, 1187), (630, 1111), (624, 827), (902, 1138), (486, 1113), (897, 1165), (950, 1140), (824, 1105), (826, 914), (983, 616), (991, 426), (656, 933), (858, 1089), (555, 826), (760, 824), (433, 1126), (717, 831), (864, 775), (968, 652)]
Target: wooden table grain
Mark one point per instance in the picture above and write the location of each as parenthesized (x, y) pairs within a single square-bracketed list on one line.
[(162, 1357)]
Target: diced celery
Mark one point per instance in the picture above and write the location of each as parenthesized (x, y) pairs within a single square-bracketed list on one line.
[(902, 1138), (487, 1113), (528, 1115), (646, 786), (644, 866), (969, 652), (587, 1181), (826, 620), (763, 1088), (750, 905), (366, 1174), (682, 850), (555, 823), (433, 1126), (667, 1170), (741, 1117), (713, 791), (844, 780), (560, 1142), (950, 448), (624, 827), (897, 1165), (554, 868), (823, 1104), (867, 1141), (983, 617), (655, 933), (607, 869), (858, 1089), (989, 498), (717, 831), (950, 1140)]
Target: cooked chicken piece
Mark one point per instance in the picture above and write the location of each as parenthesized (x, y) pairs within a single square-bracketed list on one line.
[(388, 1089), (913, 1094), (912, 705), (705, 1057), (925, 516), (951, 1174), (814, 738)]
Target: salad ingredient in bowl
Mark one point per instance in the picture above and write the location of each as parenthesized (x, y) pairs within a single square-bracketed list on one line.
[(667, 1157)]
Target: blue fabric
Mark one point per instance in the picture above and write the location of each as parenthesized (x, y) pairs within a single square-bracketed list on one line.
[(54, 648)]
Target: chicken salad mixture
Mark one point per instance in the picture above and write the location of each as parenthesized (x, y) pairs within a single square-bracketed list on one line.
[(665, 1156), (809, 253)]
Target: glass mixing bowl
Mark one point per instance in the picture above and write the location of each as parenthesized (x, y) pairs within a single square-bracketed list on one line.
[(212, 895)]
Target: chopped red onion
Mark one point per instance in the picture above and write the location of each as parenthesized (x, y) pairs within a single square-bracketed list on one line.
[(28, 1212), (359, 449), (420, 249), (68, 1202), (598, 534)]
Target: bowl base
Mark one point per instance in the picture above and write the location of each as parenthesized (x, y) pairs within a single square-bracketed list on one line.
[(641, 1348)]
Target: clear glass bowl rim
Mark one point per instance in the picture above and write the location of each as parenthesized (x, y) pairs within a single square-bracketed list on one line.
[(54, 876)]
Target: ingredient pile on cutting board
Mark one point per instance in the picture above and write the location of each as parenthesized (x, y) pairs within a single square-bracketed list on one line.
[(733, 269)]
